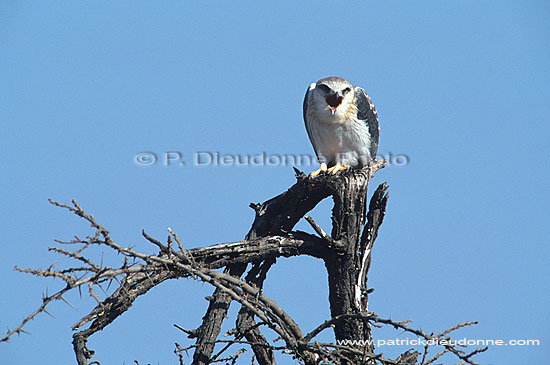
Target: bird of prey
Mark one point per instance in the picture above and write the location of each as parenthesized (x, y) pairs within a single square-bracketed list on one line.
[(342, 125)]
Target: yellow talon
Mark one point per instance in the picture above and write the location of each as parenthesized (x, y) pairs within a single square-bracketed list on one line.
[(336, 168), (323, 168)]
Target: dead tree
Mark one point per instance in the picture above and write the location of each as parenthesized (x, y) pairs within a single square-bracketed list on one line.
[(346, 253)]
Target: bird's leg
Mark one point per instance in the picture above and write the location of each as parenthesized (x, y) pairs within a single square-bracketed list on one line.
[(334, 169), (323, 168)]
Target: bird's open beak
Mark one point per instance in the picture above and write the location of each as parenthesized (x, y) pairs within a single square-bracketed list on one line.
[(333, 101)]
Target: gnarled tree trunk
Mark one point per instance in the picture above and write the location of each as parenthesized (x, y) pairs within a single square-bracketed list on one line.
[(346, 255)]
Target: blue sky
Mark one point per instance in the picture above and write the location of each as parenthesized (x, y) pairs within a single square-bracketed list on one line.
[(461, 89)]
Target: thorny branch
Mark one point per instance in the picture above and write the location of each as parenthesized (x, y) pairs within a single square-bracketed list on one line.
[(271, 236)]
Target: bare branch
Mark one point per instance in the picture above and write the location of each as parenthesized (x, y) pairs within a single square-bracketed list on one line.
[(346, 252), (317, 228)]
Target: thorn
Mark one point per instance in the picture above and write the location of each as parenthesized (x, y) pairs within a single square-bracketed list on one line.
[(190, 333), (52, 265), (66, 301), (48, 313)]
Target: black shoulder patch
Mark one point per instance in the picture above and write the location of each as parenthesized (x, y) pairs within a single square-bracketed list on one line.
[(367, 113), (306, 105)]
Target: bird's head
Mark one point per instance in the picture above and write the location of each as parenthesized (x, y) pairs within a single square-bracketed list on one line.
[(333, 95)]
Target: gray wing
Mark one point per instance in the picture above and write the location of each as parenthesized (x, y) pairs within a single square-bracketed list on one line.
[(308, 123), (366, 112)]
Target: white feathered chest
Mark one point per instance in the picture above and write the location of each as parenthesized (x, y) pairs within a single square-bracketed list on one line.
[(340, 139)]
